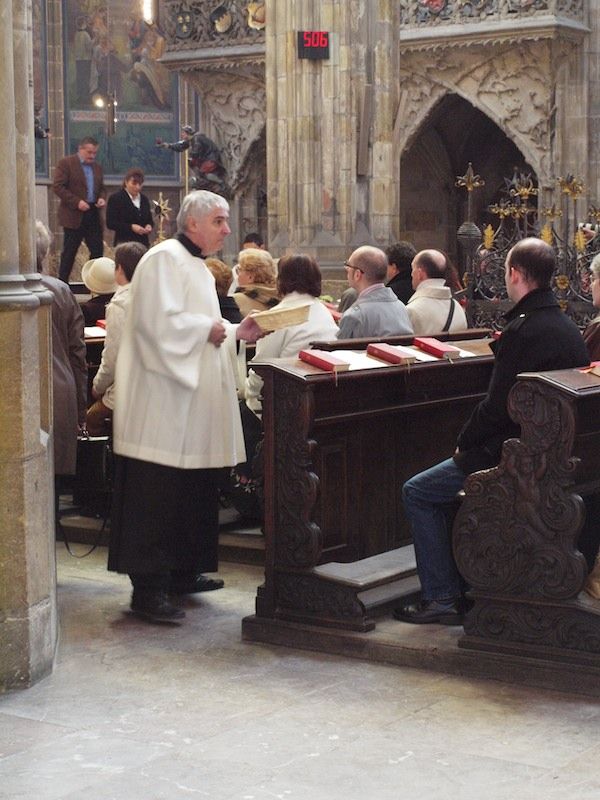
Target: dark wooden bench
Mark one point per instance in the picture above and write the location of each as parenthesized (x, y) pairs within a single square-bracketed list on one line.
[(337, 452), (516, 532)]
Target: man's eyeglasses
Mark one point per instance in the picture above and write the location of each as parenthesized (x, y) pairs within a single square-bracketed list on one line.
[(351, 266)]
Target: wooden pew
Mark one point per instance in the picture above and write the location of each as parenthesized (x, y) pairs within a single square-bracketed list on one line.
[(405, 339), (337, 451), (515, 534)]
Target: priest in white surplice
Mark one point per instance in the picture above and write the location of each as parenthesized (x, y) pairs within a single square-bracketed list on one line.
[(176, 418)]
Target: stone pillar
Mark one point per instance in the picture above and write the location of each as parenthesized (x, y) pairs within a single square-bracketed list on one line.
[(592, 85), (27, 568), (320, 116)]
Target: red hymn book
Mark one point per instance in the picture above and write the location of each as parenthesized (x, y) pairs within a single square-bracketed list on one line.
[(393, 354), (324, 360), (435, 347)]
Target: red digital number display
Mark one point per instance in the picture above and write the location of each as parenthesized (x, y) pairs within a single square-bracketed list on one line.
[(313, 44)]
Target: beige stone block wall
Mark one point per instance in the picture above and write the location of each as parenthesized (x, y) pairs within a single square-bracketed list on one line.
[(27, 571)]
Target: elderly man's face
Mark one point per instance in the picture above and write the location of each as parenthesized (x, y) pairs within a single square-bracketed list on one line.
[(209, 232)]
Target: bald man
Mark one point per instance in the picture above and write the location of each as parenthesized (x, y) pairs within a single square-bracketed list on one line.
[(376, 311), (432, 308)]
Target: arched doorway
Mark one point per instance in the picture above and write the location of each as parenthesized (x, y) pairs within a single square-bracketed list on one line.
[(453, 134)]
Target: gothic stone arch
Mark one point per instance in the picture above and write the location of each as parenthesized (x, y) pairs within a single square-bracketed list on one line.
[(510, 83)]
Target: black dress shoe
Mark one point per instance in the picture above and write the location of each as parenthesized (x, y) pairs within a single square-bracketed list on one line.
[(199, 583), (154, 606), (442, 612)]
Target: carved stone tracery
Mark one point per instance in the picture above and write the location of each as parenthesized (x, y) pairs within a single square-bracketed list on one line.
[(429, 13), (236, 105), (188, 25), (509, 84)]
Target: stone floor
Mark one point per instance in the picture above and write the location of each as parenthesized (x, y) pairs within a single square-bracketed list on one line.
[(140, 712)]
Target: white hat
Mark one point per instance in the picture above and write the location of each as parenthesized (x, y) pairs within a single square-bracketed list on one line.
[(98, 274)]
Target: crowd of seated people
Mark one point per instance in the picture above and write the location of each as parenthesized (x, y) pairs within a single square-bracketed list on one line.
[(393, 292)]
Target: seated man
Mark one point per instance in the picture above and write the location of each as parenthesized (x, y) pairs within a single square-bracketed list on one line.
[(376, 311), (538, 337), (99, 415), (432, 308)]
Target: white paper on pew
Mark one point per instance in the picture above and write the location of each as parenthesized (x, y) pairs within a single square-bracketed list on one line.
[(94, 332), (359, 360)]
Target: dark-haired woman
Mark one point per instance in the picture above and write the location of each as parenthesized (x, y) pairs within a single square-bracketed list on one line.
[(128, 211), (298, 282)]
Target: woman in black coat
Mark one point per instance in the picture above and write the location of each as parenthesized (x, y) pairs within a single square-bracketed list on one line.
[(128, 210)]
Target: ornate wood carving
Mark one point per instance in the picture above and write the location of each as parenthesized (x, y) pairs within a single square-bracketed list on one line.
[(516, 530), (299, 540), (563, 627), (515, 534), (307, 597)]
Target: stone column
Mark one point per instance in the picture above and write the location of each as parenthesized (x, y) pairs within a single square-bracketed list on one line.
[(319, 116), (592, 84), (27, 569)]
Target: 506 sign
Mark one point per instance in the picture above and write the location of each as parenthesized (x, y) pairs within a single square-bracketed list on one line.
[(313, 44)]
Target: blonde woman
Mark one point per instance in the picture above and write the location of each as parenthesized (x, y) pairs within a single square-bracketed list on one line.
[(257, 277)]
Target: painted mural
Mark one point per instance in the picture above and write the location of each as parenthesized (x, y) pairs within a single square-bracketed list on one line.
[(109, 48), (40, 86)]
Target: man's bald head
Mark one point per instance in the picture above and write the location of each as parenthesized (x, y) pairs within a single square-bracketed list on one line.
[(429, 264), (371, 263)]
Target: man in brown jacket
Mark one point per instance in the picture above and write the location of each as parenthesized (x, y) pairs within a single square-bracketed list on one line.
[(79, 183)]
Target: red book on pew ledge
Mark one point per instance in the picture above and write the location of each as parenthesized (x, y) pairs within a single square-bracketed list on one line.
[(101, 323), (324, 360), (393, 354), (436, 348)]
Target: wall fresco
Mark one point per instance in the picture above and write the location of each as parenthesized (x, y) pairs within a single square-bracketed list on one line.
[(108, 47)]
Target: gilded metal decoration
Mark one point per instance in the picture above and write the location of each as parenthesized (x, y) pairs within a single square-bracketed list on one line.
[(183, 23), (470, 181), (571, 186), (257, 14), (559, 227), (221, 18), (162, 210)]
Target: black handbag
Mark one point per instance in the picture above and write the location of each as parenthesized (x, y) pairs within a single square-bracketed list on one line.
[(92, 486)]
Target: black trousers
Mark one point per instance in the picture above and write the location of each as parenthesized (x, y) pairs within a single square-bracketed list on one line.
[(164, 520), (89, 231)]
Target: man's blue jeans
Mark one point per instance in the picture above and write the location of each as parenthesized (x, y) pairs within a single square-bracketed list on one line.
[(427, 499)]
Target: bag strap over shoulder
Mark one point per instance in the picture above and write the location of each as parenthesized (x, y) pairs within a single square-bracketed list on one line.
[(450, 315)]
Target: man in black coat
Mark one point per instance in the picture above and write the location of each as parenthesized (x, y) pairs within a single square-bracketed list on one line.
[(538, 337), (400, 257)]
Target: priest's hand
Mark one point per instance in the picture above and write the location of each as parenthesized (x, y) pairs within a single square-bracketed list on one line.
[(217, 334), (249, 330)]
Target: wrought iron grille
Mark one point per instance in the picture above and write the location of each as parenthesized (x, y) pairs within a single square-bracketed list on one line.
[(484, 254)]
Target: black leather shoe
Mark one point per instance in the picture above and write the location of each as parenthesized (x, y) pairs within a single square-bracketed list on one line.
[(155, 607), (198, 584), (441, 612)]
